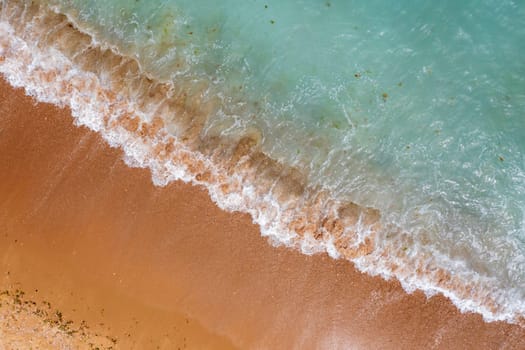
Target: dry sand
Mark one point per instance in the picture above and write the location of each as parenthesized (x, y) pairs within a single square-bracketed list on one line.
[(134, 266)]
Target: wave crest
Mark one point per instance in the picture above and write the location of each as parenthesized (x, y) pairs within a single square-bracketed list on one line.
[(163, 126)]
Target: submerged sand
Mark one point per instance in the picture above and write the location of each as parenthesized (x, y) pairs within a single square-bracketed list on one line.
[(148, 267)]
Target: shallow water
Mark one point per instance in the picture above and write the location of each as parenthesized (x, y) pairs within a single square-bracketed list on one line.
[(413, 110)]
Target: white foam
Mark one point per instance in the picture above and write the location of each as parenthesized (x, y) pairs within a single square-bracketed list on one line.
[(50, 76)]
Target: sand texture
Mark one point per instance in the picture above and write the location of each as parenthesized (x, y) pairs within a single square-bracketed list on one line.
[(128, 265)]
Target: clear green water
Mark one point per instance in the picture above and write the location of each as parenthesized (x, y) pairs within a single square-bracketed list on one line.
[(415, 108)]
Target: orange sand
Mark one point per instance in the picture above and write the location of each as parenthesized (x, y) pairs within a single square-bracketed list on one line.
[(165, 268)]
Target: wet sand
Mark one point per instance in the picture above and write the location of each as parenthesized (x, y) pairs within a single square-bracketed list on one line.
[(151, 267)]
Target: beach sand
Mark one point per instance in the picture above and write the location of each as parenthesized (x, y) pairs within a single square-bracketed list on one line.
[(92, 241)]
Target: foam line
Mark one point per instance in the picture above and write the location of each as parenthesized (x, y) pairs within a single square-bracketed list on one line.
[(159, 126)]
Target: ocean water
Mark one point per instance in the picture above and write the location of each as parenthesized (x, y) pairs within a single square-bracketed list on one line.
[(391, 134)]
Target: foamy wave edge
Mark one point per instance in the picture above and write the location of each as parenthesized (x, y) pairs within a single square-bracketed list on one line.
[(160, 126)]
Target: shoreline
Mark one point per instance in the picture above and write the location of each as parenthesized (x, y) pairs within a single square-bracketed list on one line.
[(43, 256), (92, 234), (237, 174)]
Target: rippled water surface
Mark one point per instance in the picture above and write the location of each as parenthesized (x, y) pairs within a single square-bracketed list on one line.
[(413, 108)]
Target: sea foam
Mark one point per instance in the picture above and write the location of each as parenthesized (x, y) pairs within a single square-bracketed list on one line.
[(197, 128)]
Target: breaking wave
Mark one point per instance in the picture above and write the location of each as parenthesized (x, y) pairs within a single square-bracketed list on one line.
[(301, 190)]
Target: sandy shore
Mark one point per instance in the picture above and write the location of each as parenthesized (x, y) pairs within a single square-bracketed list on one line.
[(143, 267)]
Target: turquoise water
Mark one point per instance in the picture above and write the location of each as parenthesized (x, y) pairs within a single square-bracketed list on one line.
[(413, 108)]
